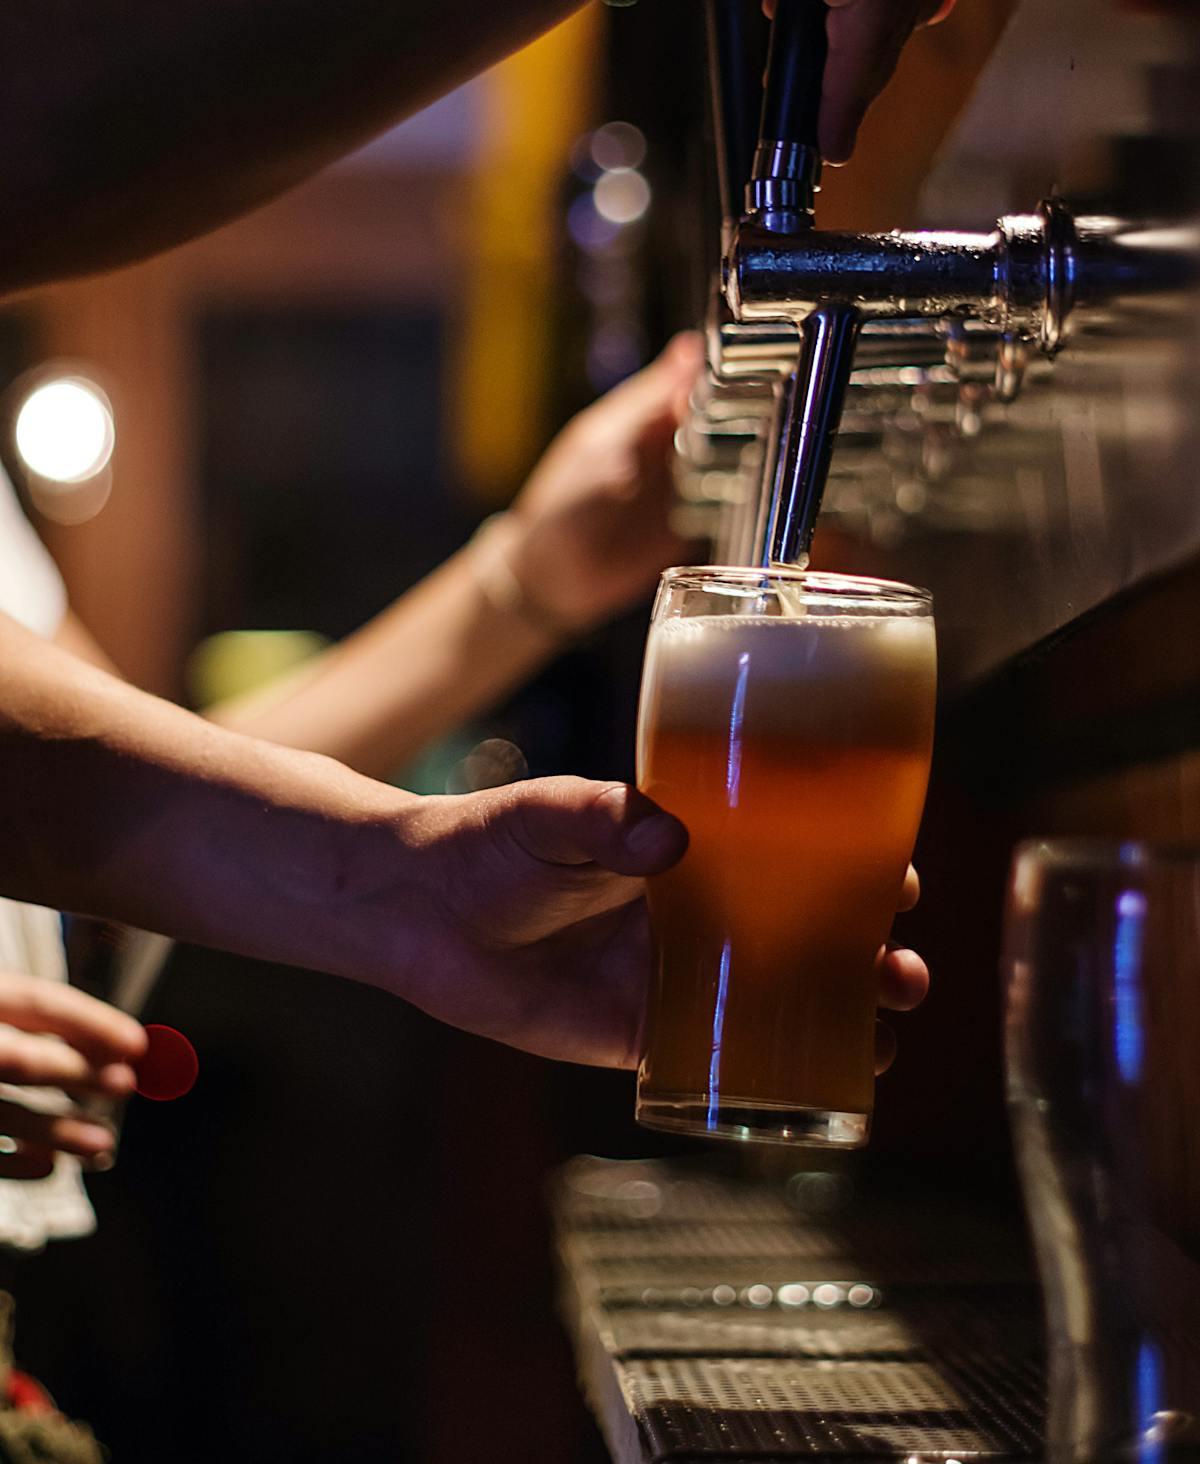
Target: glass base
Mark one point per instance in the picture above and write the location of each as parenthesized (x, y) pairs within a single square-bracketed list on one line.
[(756, 1123)]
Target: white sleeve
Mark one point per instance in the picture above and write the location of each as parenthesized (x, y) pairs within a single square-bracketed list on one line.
[(31, 588)]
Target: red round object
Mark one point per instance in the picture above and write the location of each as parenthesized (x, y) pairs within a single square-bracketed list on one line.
[(27, 1395), (170, 1066)]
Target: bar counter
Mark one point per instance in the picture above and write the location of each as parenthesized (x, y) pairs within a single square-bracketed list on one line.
[(719, 1318)]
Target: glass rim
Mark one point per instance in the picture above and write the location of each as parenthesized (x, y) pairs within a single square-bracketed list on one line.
[(1083, 851), (819, 583)]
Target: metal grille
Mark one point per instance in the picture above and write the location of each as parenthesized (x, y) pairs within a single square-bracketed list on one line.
[(782, 1409), (806, 1387), (686, 1242), (728, 1324)]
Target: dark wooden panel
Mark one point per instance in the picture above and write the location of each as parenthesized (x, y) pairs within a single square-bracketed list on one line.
[(1096, 731)]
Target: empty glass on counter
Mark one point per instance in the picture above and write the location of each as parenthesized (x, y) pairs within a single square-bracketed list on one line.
[(787, 719), (1103, 1036)]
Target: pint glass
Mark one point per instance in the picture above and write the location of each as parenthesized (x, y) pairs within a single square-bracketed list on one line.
[(786, 718), (1102, 957)]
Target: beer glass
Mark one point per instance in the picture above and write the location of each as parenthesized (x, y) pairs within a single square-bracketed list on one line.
[(1102, 953), (786, 718)]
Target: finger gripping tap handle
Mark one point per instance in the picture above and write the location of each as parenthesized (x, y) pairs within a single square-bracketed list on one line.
[(795, 67)]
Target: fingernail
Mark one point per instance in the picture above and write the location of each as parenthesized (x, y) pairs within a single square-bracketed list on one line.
[(686, 345), (650, 835), (118, 1077), (97, 1134), (840, 149), (100, 1163)]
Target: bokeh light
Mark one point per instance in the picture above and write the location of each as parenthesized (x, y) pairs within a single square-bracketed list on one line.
[(618, 145), (621, 196), (590, 231), (64, 430)]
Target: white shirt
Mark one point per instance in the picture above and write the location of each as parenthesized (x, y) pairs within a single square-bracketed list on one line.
[(32, 592)]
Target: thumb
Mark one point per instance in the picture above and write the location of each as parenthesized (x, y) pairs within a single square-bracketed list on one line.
[(676, 367), (575, 821), (655, 390), (684, 358)]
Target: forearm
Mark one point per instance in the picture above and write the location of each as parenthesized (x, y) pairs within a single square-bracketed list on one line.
[(72, 635), (121, 805), (132, 125), (440, 654)]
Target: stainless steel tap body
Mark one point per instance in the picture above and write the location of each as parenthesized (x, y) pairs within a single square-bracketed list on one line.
[(1020, 278), (769, 276), (1023, 278)]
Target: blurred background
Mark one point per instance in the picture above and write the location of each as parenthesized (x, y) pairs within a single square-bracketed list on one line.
[(336, 1247)]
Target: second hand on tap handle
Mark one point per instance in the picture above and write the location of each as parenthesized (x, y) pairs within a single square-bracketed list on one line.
[(795, 69)]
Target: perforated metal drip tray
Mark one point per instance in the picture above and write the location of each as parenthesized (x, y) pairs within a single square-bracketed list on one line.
[(724, 1320)]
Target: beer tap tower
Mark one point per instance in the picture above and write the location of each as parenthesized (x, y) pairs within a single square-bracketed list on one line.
[(798, 310)]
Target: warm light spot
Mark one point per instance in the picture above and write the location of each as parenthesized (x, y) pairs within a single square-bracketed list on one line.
[(64, 430), (793, 1294), (621, 196)]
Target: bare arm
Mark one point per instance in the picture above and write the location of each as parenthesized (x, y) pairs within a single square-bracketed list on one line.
[(132, 125), (587, 537), (513, 913), (119, 804), (422, 667), (72, 635)]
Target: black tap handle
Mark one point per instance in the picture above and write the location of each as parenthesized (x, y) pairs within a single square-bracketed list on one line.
[(795, 66), (737, 50), (787, 164)]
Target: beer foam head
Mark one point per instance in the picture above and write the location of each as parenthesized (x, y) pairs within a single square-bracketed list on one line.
[(792, 671)]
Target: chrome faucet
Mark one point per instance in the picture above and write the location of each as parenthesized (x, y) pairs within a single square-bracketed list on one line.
[(800, 314)]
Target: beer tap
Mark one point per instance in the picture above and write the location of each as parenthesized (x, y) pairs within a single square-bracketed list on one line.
[(897, 297), (780, 197), (735, 45), (795, 371)]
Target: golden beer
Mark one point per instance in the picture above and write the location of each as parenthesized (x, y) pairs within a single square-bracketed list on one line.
[(791, 732)]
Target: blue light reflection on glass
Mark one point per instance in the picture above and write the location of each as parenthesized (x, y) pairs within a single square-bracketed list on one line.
[(1149, 1387), (733, 784), (1127, 984), (737, 712), (714, 1062)]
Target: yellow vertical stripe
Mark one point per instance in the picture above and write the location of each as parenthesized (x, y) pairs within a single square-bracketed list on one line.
[(535, 104)]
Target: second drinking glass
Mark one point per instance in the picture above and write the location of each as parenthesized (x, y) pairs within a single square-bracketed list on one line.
[(787, 719)]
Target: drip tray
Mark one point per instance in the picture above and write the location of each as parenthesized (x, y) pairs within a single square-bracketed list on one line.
[(721, 1320)]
